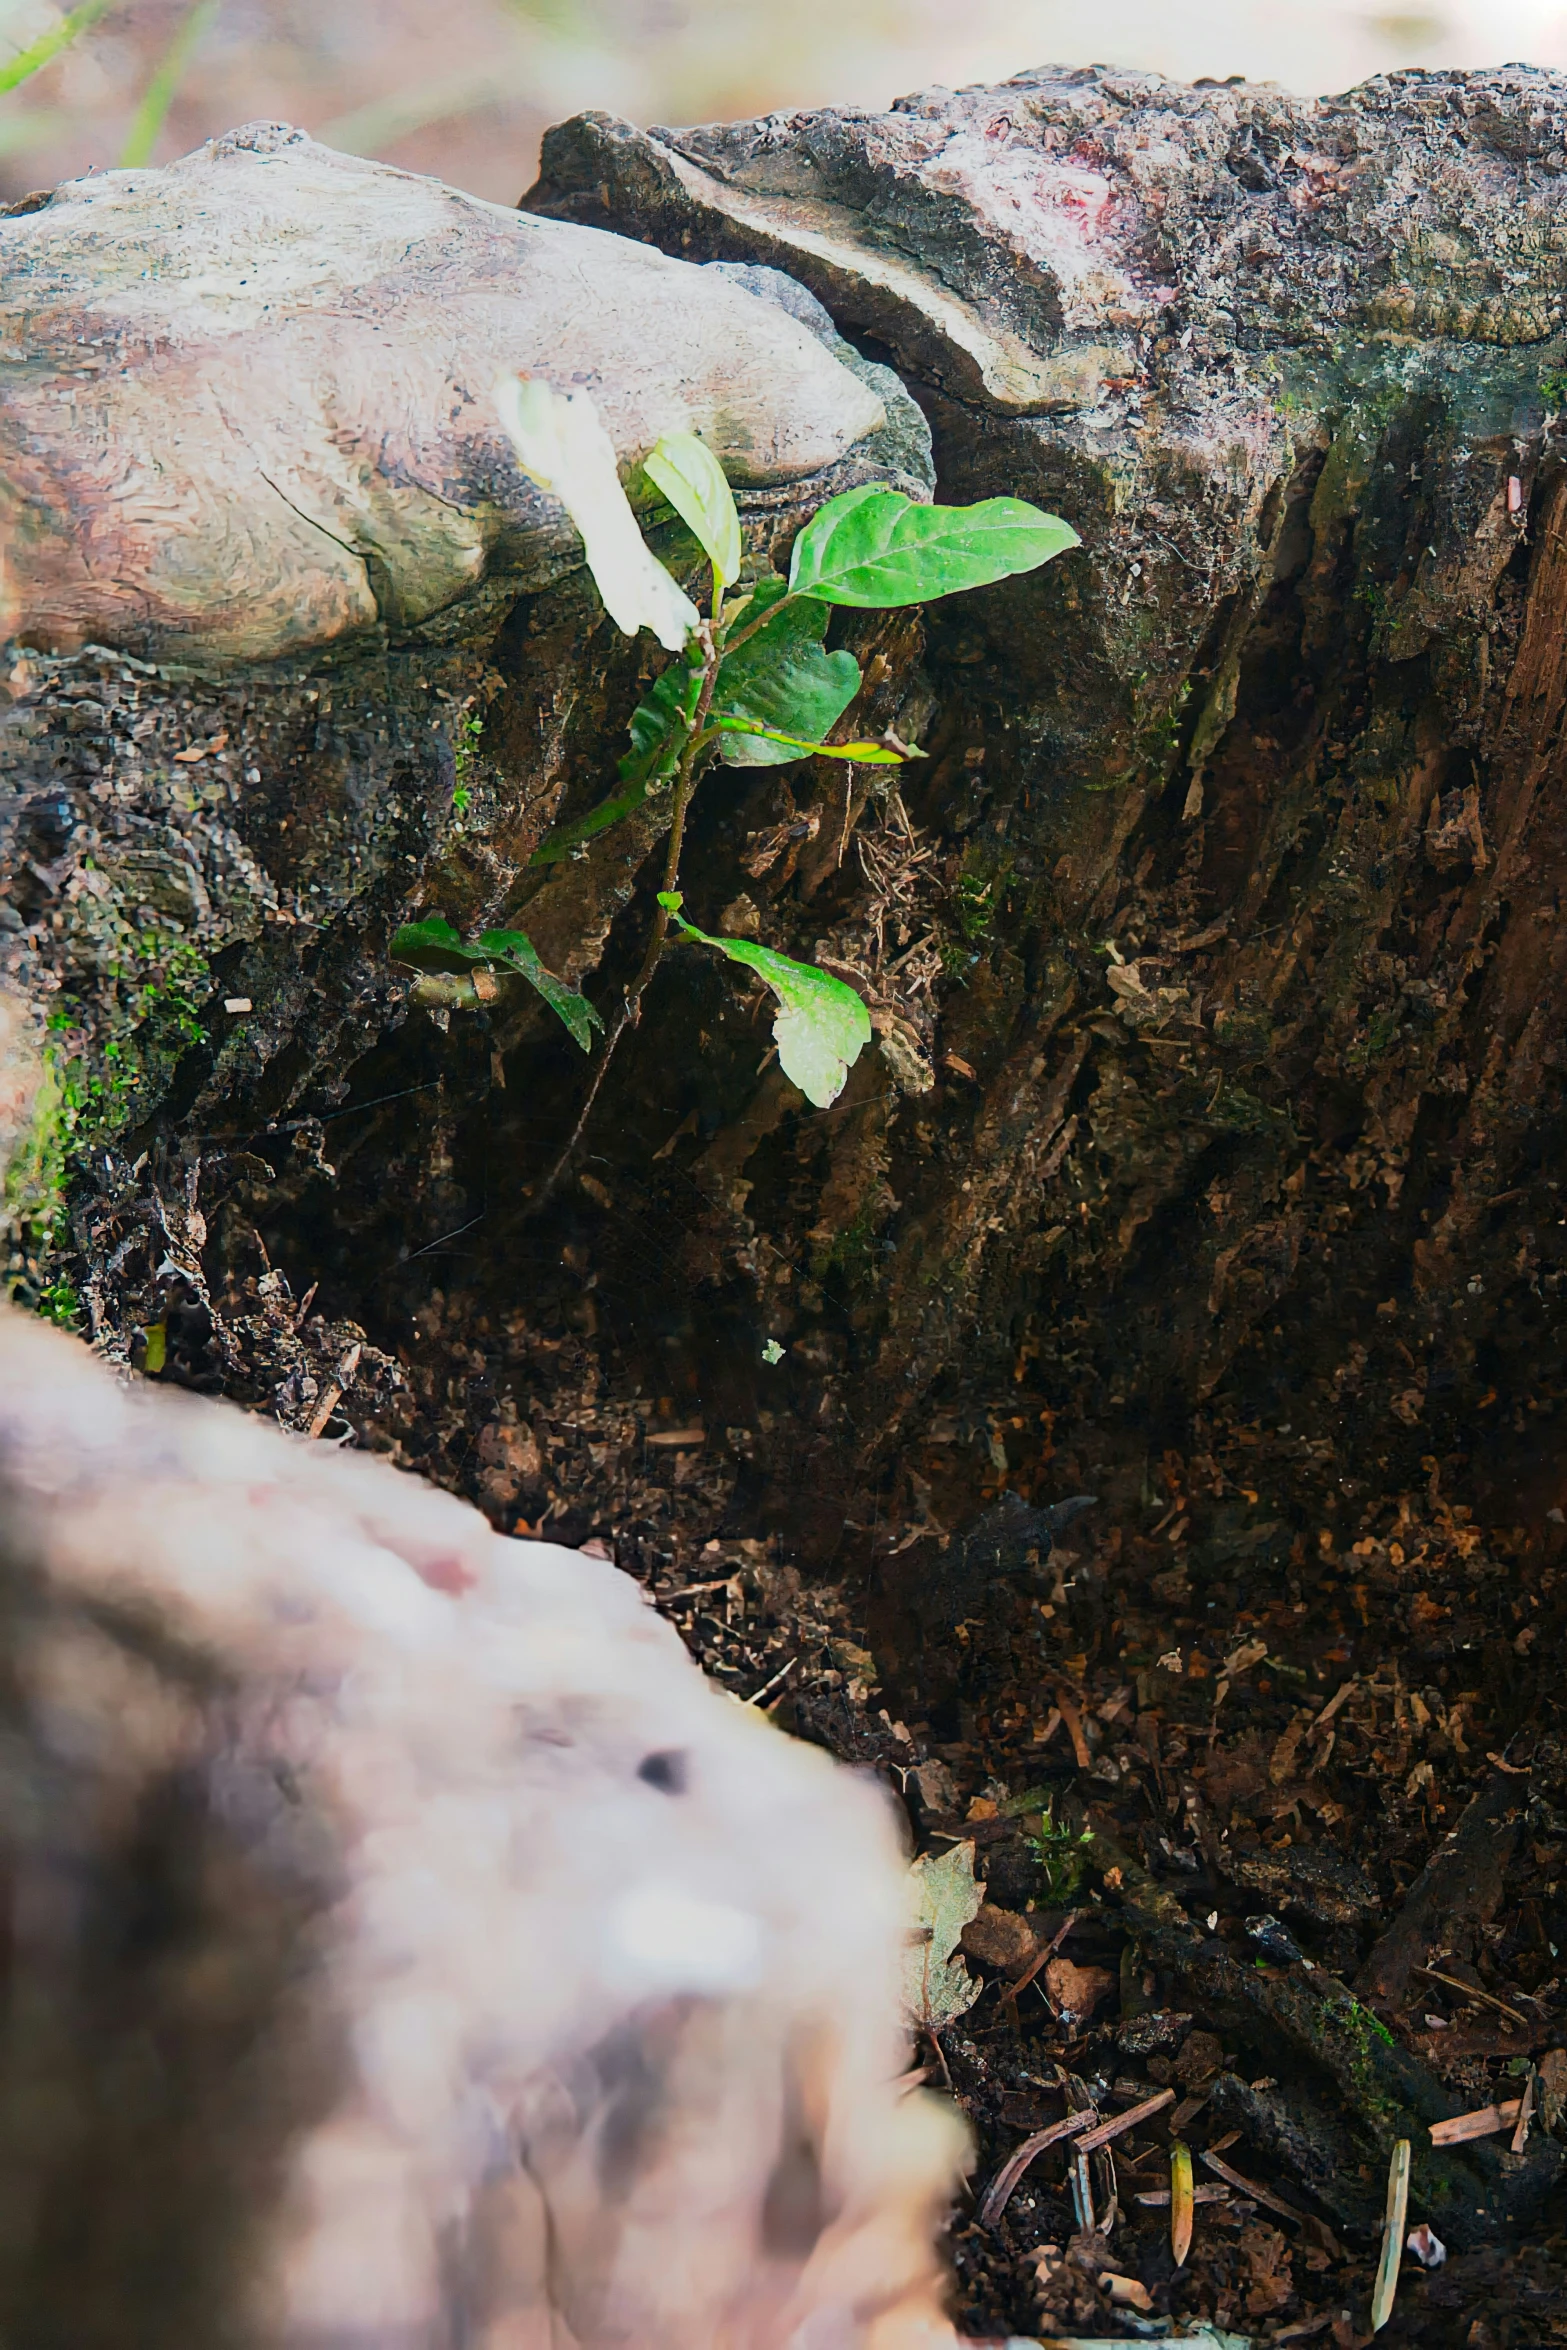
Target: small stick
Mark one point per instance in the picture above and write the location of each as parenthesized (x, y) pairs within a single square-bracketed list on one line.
[(1074, 1725), (1249, 2187), (782, 1674), (1473, 1991), (1182, 2197), (1484, 2122), (1105, 2131), (1158, 2198), (1041, 1958), (1083, 2193), (1393, 2236), (999, 2193), (332, 1393), (1525, 2114), (941, 2059)]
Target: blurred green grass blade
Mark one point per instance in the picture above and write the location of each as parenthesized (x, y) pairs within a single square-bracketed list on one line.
[(48, 45), (33, 128), (163, 88), (381, 122)]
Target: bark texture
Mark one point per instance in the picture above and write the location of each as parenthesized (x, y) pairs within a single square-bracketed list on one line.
[(1246, 818)]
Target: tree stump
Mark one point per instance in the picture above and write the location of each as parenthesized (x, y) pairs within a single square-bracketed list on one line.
[(1246, 862), (1212, 958)]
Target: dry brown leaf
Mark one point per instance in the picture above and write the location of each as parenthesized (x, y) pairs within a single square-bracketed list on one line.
[(1075, 1991), (1000, 1939), (1267, 2255), (943, 1897)]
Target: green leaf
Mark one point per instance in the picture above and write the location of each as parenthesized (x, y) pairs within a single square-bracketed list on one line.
[(433, 942), (423, 943), (868, 754), (782, 681), (658, 733), (821, 1026), (877, 548), (517, 951), (60, 35), (687, 473), (943, 1896)]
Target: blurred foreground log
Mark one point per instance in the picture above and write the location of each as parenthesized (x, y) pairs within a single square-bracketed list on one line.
[(404, 1945)]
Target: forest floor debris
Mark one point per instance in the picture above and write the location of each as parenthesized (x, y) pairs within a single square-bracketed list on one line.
[(1242, 1814)]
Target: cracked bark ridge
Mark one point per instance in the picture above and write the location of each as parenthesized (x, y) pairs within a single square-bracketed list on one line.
[(1260, 791)]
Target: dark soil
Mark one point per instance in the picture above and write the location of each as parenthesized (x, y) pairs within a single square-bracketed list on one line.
[(1205, 1746)]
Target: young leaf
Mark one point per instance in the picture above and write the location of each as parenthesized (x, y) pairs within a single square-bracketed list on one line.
[(877, 548), (561, 445), (821, 1026), (515, 949), (937, 1986), (424, 943), (432, 943), (658, 733), (685, 470), (868, 754), (781, 679)]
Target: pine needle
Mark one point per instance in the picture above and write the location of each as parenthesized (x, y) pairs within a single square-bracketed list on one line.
[(1393, 2236)]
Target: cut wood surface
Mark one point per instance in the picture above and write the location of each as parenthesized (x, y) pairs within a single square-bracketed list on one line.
[(248, 411)]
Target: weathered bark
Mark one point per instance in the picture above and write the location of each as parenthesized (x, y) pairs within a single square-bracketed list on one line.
[(1255, 797), (249, 455)]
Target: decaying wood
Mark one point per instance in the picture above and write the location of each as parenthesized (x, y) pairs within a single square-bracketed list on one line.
[(1214, 961), (1456, 1893), (1265, 781)]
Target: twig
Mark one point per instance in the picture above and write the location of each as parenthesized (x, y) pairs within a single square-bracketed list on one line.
[(1159, 2198), (1486, 2121), (1074, 1724), (941, 2059), (1041, 1958), (1083, 2193), (999, 2193), (1232, 2178), (440, 1241), (782, 1674), (1102, 2135), (1525, 2114), (332, 1393), (1473, 1991)]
